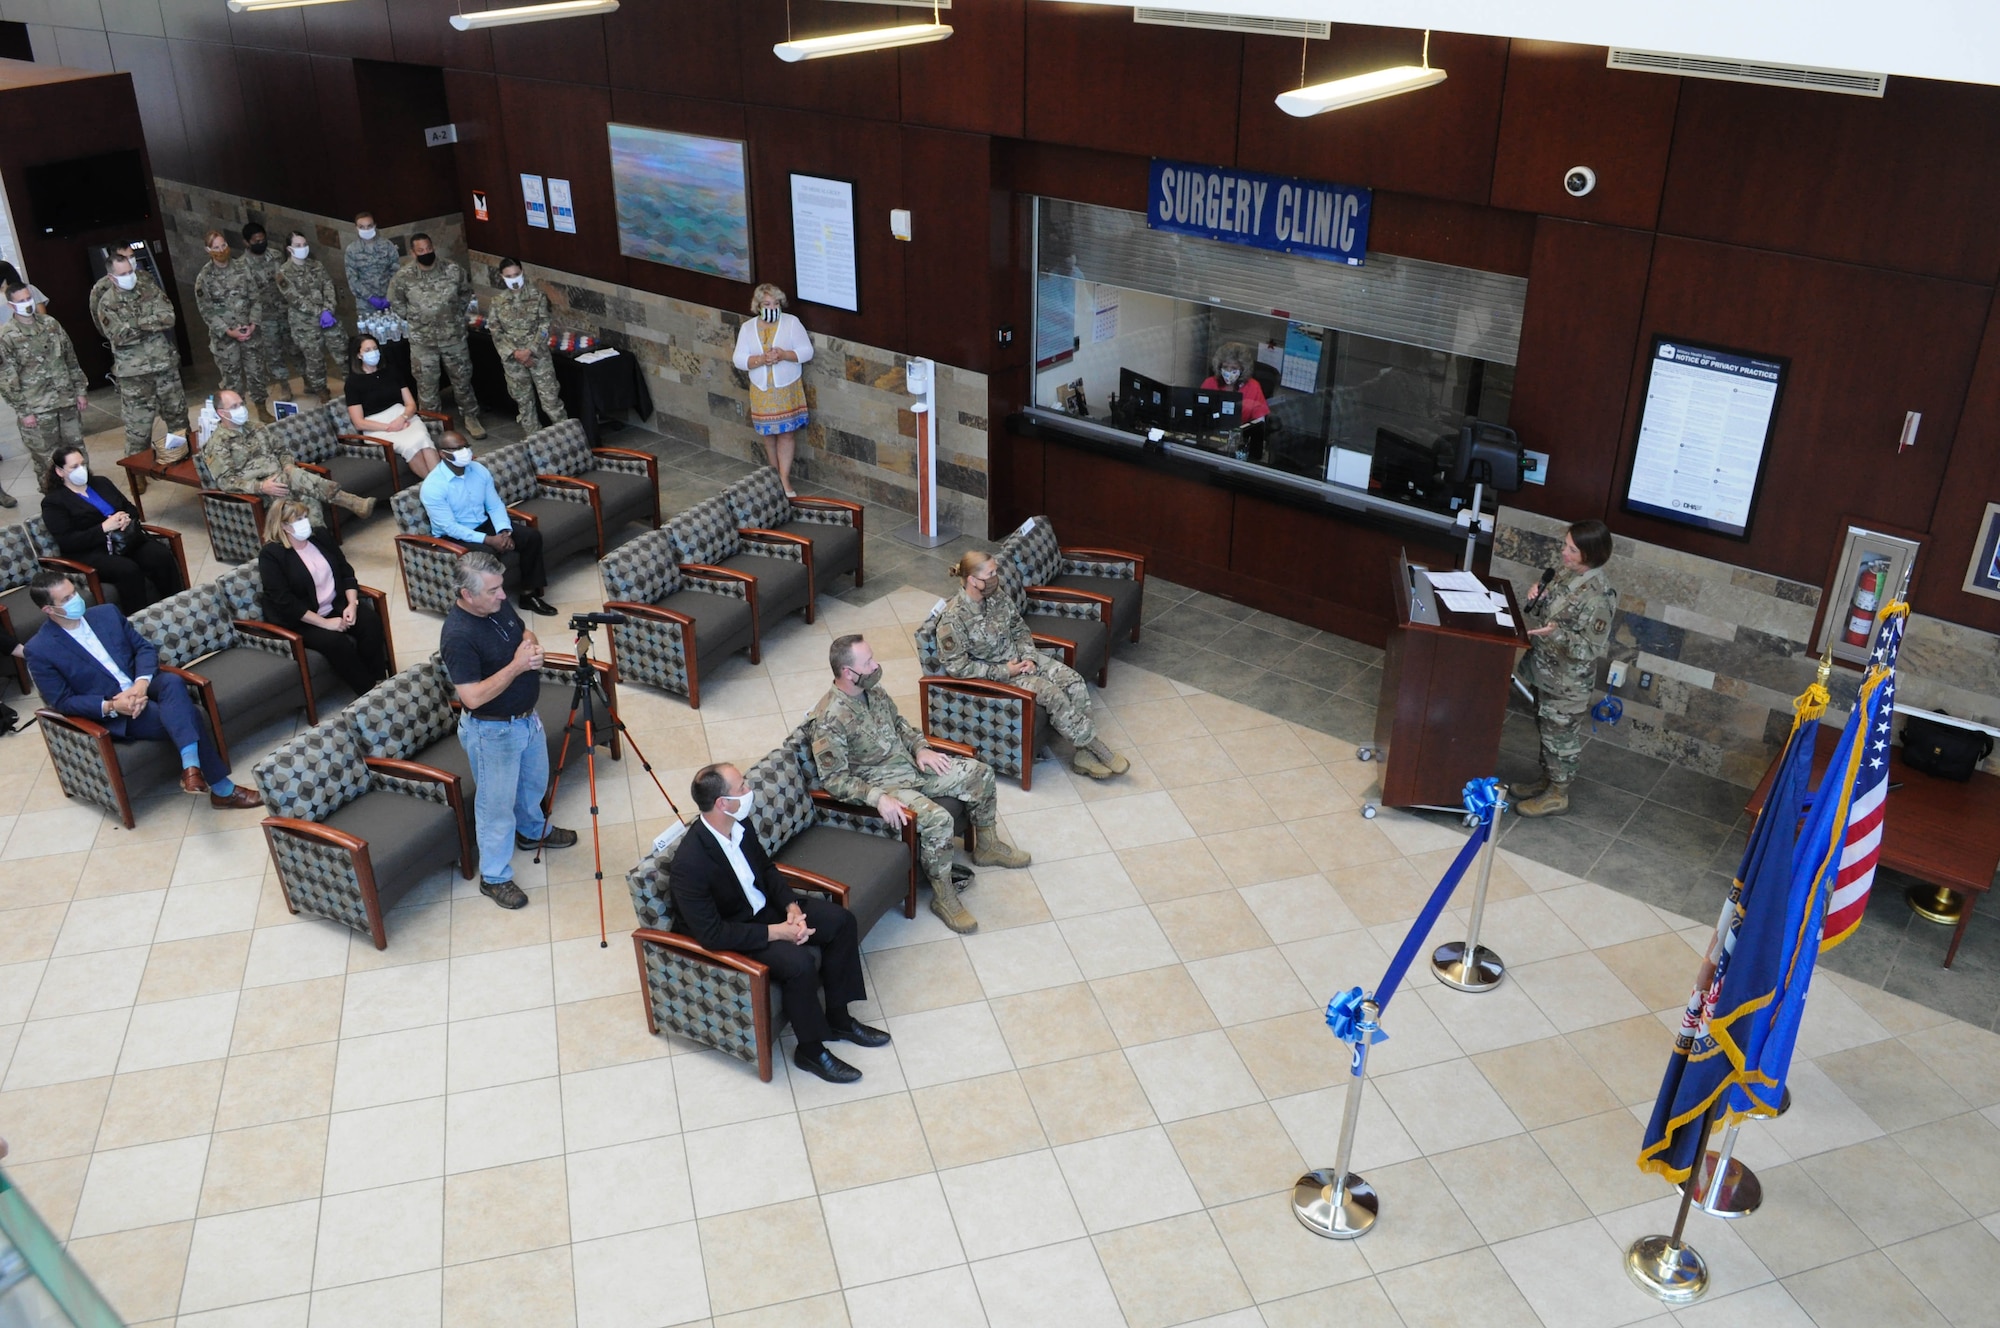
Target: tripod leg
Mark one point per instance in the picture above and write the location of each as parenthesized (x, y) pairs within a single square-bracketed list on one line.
[(555, 779), (596, 844), (618, 727)]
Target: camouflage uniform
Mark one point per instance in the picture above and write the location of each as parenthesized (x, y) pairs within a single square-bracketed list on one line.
[(226, 296), (145, 363), (39, 376), (977, 640), (280, 350), (432, 301), (239, 458), (308, 292), (370, 264), (519, 320), (1563, 664), (864, 748)]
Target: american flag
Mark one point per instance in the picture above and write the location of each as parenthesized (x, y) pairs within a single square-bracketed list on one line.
[(1862, 847)]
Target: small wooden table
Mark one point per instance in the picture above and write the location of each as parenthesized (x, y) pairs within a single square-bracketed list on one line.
[(147, 465), (1937, 830)]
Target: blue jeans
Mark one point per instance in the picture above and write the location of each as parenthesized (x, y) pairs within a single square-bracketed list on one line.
[(510, 764)]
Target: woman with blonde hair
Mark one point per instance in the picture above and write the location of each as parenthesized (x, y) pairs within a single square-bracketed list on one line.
[(310, 588), (981, 634), (770, 348)]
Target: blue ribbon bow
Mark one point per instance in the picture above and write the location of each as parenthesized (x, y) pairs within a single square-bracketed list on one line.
[(1343, 1016), (1482, 798), (1610, 710)]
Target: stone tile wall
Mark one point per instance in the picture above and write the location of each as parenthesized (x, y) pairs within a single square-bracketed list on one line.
[(1729, 648)]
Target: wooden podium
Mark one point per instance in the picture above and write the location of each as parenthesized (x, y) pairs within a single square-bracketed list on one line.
[(1444, 696)]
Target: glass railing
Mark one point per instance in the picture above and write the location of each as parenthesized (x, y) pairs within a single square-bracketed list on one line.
[(40, 1285)]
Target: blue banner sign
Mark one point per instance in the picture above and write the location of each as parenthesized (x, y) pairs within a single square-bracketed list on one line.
[(1281, 212)]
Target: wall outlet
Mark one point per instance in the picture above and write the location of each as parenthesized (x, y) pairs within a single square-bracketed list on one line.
[(1645, 682), (1616, 677)]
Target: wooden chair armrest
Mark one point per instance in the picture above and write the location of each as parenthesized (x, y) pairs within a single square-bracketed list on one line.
[(828, 504), (626, 454), (801, 879), (76, 569), (188, 676), (380, 599), (947, 745), (90, 728), (693, 949), (713, 573), (401, 769), (389, 456), (441, 416), (775, 537), (314, 830), (452, 547), (980, 686), (270, 631), (315, 468), (1067, 649), (1095, 554), (821, 798), (570, 482), (634, 609), (172, 539), (520, 518)]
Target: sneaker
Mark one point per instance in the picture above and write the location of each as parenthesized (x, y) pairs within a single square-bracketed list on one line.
[(558, 838), (504, 893)]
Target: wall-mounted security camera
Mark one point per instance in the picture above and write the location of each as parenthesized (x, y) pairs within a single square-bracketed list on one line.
[(1579, 180)]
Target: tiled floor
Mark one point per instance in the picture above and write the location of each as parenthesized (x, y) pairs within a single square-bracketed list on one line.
[(1093, 1109)]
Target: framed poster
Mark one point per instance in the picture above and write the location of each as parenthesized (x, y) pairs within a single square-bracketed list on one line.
[(1869, 567), (823, 242), (682, 200), (1983, 576), (537, 203), (1704, 432), (561, 208)]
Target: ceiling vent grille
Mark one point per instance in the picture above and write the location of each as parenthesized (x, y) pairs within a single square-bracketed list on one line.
[(1195, 18), (1851, 81)]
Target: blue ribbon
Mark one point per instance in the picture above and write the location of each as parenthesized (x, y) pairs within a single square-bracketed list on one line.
[(1432, 910), (1610, 710), (1482, 798), (1343, 1016)]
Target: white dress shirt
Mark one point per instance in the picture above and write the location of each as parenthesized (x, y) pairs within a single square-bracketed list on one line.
[(85, 637), (732, 848)]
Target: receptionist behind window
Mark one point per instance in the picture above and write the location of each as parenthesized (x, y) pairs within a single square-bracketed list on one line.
[(1233, 364)]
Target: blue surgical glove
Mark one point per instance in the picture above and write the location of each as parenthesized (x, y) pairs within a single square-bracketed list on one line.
[(326, 318), (378, 302)]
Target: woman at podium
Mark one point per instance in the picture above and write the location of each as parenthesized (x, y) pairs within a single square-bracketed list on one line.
[(1569, 625)]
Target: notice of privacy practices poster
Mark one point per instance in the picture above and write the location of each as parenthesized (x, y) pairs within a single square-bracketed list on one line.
[(1703, 436)]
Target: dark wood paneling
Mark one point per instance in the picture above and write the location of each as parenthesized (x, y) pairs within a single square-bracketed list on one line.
[(1971, 480), (1097, 500), (1096, 79), (356, 28), (423, 35), (1462, 234), (268, 29), (351, 167), (654, 47), (1437, 142), (281, 111), (1586, 296), (212, 110), (557, 129), (406, 178), (151, 66), (1108, 179), (195, 20), (1865, 346), (1272, 546), (863, 85), (974, 80), (946, 264), (1565, 108), (867, 152), (480, 157), (570, 50), (716, 119), (1910, 180)]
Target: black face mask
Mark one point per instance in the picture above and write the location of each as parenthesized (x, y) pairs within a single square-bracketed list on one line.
[(427, 259), (258, 246)]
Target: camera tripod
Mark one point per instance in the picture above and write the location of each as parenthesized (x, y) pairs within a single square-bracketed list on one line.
[(586, 694)]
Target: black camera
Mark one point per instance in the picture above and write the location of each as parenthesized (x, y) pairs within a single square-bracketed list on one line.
[(583, 622)]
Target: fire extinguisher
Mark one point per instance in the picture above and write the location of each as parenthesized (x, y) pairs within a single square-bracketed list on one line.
[(1867, 594)]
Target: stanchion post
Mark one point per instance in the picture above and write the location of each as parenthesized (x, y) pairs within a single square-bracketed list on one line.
[(1467, 965), (1667, 1266), (1334, 1202)]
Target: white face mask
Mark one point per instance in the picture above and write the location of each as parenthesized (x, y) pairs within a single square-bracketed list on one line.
[(462, 457), (300, 253), (743, 805), (515, 283), (125, 280), (239, 414), (301, 529), (365, 232), (24, 308), (80, 476)]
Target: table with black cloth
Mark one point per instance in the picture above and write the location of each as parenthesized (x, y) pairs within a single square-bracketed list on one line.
[(599, 393)]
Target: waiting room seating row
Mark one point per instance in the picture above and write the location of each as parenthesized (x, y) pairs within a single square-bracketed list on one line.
[(28, 548)]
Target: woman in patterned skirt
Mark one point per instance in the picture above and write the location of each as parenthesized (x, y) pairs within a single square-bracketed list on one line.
[(770, 348)]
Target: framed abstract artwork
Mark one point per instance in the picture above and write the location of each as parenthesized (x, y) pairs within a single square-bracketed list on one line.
[(682, 199)]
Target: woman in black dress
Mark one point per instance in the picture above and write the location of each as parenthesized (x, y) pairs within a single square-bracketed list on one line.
[(310, 588), (94, 523), (380, 405)]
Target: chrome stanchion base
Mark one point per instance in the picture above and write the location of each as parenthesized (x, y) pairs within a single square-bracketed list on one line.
[(1673, 1272), (1739, 1194), (1339, 1213), (1482, 974)]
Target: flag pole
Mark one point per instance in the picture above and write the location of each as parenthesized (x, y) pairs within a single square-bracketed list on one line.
[(1668, 1266)]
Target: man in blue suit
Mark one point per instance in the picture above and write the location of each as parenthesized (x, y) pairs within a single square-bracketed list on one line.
[(96, 666)]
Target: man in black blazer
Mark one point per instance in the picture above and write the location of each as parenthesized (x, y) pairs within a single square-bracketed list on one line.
[(728, 896)]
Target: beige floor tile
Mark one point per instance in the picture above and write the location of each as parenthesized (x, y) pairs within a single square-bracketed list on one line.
[(1360, 1301), (55, 1187), (200, 966), (1431, 1224), (1805, 1228), (1300, 908), (1597, 1155), (1966, 1058), (824, 1311), (1073, 887), (1053, 1024), (1053, 833), (138, 1271), (735, 1253), (1344, 839), (1173, 871), (1021, 958), (1381, 892), (1276, 1256), (1659, 970), (610, 1030), (1250, 857), (419, 933), (1504, 1017), (1053, 1284), (1447, 1106), (1204, 926), (865, 1143), (1545, 1082), (1125, 940), (1261, 751), (619, 1104), (1865, 1291), (1087, 1097), (908, 978), (1292, 1054), (263, 1165), (1171, 1271), (30, 933), (533, 1290), (978, 1120), (1237, 1154), (1956, 1269), (1628, 1055), (1187, 762), (1888, 1214), (414, 1299), (1010, 1204), (1574, 1277), (478, 925), (1892, 1084), (505, 1211), (1306, 791), (141, 1186), (1166, 720), (1578, 991), (1138, 820), (1962, 1153), (268, 1086), (1231, 804), (1250, 985), (1002, 899), (1835, 1021), (895, 1229), (151, 1105), (1436, 1294), (379, 1233), (1894, 1013), (84, 983), (292, 1014), (1509, 1188), (57, 1120), (124, 868)]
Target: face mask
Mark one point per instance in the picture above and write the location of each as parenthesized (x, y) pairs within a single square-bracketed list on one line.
[(371, 358), (73, 607), (25, 308), (126, 281), (515, 283), (219, 255), (461, 458), (769, 313), (80, 476), (300, 253), (301, 529), (365, 232), (258, 246), (866, 681), (427, 259), (239, 414), (743, 805), (1229, 377)]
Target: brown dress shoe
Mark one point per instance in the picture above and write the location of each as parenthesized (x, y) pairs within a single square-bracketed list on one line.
[(242, 799), (192, 782)]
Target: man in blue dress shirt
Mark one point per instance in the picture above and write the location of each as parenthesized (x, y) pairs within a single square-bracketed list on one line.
[(464, 506)]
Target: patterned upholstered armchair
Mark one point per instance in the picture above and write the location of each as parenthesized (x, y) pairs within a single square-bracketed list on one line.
[(999, 721), (722, 999), (627, 482), (90, 764), (680, 621), (706, 535), (1073, 623), (245, 673), (28, 548), (323, 437), (832, 525), (242, 592), (1114, 573), (568, 512), (349, 834), (429, 563)]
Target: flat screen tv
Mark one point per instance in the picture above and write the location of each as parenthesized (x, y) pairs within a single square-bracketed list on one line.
[(683, 200), (84, 194)]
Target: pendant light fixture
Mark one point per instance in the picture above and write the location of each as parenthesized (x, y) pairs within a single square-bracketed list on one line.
[(848, 43), (1359, 88), (500, 18), (259, 6)]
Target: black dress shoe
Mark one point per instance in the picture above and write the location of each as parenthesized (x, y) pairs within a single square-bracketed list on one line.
[(826, 1065), (536, 604), (861, 1035)]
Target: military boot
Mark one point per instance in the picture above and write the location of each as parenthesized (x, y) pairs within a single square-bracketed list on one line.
[(473, 428), (1552, 801), (1531, 790), (944, 903), (1111, 760), (264, 409), (993, 851), (361, 507), (1085, 762), (8, 499)]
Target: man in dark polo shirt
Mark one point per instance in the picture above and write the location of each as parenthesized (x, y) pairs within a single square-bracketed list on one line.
[(493, 661)]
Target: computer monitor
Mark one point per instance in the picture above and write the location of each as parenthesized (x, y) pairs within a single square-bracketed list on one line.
[(1205, 409), (1403, 469), (1488, 454), (1143, 401)]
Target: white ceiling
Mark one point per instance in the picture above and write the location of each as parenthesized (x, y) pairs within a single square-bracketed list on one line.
[(1948, 39)]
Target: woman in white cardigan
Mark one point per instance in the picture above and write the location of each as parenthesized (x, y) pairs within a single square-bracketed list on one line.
[(770, 348)]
